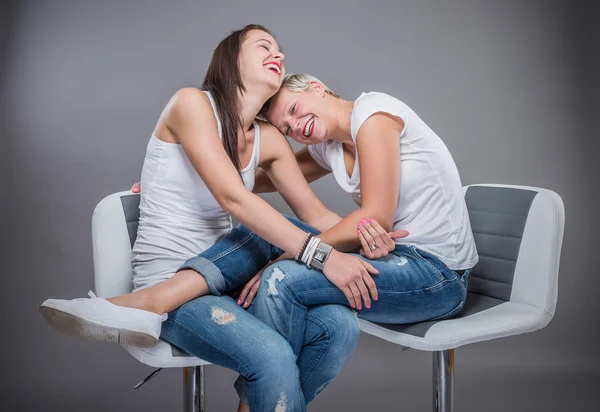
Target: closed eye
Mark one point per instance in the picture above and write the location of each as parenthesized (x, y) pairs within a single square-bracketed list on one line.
[(265, 46)]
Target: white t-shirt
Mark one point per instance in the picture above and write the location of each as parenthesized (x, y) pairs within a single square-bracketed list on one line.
[(431, 204)]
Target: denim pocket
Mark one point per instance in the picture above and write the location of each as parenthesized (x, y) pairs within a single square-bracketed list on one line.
[(454, 312), (434, 269)]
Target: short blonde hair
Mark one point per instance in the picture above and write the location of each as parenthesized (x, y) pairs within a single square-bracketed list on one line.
[(294, 82)]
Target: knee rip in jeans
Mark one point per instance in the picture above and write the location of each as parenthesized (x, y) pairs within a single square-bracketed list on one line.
[(281, 404), (220, 316), (276, 274)]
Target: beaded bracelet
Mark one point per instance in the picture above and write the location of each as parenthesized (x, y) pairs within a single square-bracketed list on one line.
[(302, 246)]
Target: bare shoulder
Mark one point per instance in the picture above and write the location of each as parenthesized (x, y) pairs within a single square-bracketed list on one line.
[(267, 129), (187, 108), (188, 101), (274, 144)]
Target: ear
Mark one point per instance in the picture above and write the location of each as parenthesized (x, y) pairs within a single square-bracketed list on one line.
[(317, 87)]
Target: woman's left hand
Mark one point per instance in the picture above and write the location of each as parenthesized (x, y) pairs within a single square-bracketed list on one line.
[(375, 241), (250, 289)]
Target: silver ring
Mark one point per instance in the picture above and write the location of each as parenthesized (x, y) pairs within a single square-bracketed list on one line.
[(373, 247)]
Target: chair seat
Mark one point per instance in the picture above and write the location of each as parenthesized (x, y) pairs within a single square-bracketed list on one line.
[(483, 318), (164, 355)]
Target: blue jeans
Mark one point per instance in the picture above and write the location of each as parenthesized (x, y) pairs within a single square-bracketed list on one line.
[(218, 330), (413, 285)]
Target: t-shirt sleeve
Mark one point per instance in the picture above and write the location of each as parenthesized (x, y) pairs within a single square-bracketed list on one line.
[(372, 103), (319, 153)]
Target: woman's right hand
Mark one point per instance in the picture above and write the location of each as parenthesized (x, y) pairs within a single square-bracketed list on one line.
[(352, 275), (137, 187), (375, 241)]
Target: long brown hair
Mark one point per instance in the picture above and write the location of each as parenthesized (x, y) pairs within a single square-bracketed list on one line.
[(224, 81)]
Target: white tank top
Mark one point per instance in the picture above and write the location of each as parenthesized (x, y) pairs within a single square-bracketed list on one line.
[(179, 216), (431, 204)]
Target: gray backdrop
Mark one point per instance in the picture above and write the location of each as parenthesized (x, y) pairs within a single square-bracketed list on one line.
[(511, 86)]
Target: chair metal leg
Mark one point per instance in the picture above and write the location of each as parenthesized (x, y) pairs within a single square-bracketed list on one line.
[(443, 381), (193, 389)]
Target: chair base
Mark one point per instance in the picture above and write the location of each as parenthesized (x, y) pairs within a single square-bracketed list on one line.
[(443, 381), (193, 389)]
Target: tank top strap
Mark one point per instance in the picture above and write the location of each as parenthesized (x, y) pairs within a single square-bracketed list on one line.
[(214, 107), (256, 148)]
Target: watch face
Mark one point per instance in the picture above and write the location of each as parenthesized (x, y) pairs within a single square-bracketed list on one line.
[(319, 255)]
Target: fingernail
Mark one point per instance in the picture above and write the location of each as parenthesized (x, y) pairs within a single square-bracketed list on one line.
[(372, 220), (360, 307), (246, 304), (363, 221), (358, 231), (239, 301), (376, 297), (352, 306), (360, 224), (368, 306)]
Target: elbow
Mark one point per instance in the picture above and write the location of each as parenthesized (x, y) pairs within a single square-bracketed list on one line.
[(386, 224), (385, 220), (232, 204)]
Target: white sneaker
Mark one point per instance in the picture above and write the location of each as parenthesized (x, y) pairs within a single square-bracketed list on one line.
[(98, 319)]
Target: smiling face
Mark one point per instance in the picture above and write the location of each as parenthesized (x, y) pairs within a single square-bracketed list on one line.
[(261, 60), (303, 116)]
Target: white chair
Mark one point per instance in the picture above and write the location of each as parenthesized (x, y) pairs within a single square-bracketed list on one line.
[(512, 290), (114, 229)]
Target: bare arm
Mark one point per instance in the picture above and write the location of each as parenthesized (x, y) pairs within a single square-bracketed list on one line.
[(378, 142), (191, 121), (283, 171), (308, 166)]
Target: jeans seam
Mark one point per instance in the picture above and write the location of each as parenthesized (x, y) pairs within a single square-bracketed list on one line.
[(451, 312), (234, 248), (437, 285), (431, 265), (318, 358)]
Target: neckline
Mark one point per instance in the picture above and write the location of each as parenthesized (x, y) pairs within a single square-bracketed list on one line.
[(340, 149), (254, 148)]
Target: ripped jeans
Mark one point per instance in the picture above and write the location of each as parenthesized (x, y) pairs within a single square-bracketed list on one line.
[(413, 286), (273, 377)]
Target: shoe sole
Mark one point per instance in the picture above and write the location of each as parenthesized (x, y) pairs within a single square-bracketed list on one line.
[(77, 327)]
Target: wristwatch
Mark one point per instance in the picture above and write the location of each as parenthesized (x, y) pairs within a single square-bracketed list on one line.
[(320, 257)]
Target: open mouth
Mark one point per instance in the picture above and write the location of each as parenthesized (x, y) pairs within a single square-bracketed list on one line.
[(274, 67), (308, 128)]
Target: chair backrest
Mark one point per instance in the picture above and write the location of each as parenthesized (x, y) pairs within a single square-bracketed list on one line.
[(518, 231), (114, 229)]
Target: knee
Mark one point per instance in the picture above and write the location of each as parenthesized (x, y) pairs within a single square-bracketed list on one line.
[(274, 360), (339, 325), (279, 278), (349, 331), (240, 232)]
